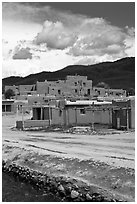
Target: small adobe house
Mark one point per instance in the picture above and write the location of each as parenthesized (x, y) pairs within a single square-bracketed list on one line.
[(7, 106), (84, 112), (123, 115), (118, 114), (68, 113)]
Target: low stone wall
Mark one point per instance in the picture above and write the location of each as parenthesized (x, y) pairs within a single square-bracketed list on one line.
[(60, 186), (32, 124), (19, 125)]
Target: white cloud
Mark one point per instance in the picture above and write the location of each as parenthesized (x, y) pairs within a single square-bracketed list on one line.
[(90, 37), (55, 35), (23, 54), (63, 39), (52, 60)]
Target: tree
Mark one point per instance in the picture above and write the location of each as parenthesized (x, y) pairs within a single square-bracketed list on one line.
[(9, 94), (131, 92), (103, 85)]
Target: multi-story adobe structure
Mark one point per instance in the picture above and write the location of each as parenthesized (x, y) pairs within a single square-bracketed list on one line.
[(102, 92), (22, 89), (72, 86), (27, 89), (14, 88)]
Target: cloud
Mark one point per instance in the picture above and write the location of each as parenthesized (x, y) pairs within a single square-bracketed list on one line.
[(52, 60), (90, 37), (54, 39), (130, 42), (55, 35), (99, 37), (23, 53), (38, 13), (84, 35)]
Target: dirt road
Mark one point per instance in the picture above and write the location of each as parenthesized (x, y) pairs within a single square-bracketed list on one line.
[(106, 161)]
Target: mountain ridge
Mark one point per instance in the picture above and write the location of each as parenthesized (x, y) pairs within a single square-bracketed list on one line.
[(117, 74)]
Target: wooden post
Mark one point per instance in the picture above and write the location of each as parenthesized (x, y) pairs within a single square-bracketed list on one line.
[(93, 117), (76, 115), (127, 119), (41, 114), (68, 115), (22, 119), (49, 116), (109, 116)]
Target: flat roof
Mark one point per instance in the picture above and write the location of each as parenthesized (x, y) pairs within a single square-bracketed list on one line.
[(23, 101), (87, 102), (8, 100)]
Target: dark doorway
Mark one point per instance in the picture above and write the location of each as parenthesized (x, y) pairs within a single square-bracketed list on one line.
[(88, 91), (8, 108)]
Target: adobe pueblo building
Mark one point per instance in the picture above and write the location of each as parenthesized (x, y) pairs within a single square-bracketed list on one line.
[(72, 86), (73, 101)]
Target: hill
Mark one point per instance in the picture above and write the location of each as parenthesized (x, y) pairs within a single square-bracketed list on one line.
[(118, 74)]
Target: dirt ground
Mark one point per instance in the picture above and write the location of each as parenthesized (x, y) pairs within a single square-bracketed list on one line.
[(105, 161)]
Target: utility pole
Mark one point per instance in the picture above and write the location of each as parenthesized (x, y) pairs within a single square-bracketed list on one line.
[(109, 116), (22, 119), (76, 115), (93, 117), (127, 119), (49, 116)]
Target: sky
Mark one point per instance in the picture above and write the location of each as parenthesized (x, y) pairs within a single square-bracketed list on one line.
[(39, 36)]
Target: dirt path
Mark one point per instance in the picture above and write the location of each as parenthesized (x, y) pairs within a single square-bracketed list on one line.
[(105, 161)]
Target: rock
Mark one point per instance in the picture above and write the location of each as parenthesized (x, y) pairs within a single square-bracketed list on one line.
[(74, 194), (107, 200), (61, 191), (77, 199), (99, 198), (61, 188), (26, 194), (68, 189), (88, 197), (75, 186), (113, 200)]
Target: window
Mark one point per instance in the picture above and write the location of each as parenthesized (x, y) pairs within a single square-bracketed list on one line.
[(76, 90), (60, 113), (3, 108), (99, 92), (88, 91), (75, 83), (82, 111), (46, 101), (84, 84), (8, 108), (59, 91)]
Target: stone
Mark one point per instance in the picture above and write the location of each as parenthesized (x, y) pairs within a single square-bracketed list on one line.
[(75, 186), (88, 197), (61, 188), (107, 200), (74, 194), (68, 189)]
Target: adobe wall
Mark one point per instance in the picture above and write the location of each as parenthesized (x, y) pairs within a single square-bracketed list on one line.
[(101, 117), (58, 117), (36, 123), (132, 114)]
